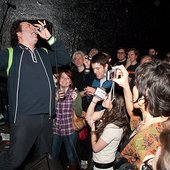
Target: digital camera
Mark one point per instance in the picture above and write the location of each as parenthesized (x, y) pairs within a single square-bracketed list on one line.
[(100, 93), (111, 74)]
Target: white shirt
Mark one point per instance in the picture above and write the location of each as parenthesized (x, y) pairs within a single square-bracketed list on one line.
[(112, 135)]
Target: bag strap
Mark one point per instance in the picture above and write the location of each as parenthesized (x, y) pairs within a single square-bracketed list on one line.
[(10, 58)]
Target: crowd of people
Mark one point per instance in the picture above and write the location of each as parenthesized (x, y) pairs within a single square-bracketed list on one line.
[(126, 104)]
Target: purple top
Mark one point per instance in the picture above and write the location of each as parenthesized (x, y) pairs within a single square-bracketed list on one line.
[(63, 120)]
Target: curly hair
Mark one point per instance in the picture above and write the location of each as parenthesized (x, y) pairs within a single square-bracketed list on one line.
[(117, 115), (152, 81)]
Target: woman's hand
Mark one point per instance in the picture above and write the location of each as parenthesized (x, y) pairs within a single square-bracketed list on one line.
[(91, 123), (122, 76)]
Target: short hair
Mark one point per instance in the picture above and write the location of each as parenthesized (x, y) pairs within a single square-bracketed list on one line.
[(136, 51), (164, 158), (76, 53), (101, 58), (152, 81), (16, 27)]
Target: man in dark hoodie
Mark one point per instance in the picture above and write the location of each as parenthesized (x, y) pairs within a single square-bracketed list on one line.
[(31, 91)]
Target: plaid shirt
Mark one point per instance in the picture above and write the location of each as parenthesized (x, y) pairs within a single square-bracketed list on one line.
[(63, 121)]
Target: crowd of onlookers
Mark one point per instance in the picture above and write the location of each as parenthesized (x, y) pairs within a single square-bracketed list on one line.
[(127, 105)]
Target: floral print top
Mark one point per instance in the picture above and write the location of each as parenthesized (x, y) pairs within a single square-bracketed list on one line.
[(144, 143)]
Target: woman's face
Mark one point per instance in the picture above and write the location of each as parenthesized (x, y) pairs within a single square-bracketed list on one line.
[(64, 81)]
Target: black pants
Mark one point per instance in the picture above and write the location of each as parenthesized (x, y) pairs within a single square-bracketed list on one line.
[(28, 131)]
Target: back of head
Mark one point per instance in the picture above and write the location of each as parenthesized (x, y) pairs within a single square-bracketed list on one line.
[(152, 81), (146, 58)]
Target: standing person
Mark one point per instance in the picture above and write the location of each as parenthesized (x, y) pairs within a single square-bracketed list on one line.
[(31, 92), (121, 56), (83, 77), (108, 127), (151, 95), (154, 53), (100, 65), (132, 64), (62, 128)]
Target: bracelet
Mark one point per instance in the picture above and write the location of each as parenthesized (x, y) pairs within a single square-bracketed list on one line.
[(93, 132), (93, 102)]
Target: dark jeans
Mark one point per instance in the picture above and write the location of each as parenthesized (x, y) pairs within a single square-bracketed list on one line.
[(84, 147), (28, 131), (69, 142)]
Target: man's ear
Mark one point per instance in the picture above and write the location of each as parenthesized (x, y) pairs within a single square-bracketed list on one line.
[(18, 34)]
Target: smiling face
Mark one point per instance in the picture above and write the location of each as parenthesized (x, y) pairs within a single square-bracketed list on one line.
[(64, 81), (121, 55)]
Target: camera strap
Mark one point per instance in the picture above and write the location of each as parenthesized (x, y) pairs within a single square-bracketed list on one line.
[(112, 90)]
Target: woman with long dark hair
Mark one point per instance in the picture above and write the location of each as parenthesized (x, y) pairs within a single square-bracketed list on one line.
[(109, 128)]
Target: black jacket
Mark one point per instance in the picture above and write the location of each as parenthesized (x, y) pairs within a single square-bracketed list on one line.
[(57, 56)]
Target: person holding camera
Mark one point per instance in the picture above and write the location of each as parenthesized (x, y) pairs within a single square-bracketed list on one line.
[(109, 129), (151, 95), (68, 99)]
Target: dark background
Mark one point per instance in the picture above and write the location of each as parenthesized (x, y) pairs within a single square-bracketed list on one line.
[(105, 24)]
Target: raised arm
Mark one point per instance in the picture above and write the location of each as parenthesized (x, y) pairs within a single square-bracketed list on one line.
[(122, 81), (60, 55)]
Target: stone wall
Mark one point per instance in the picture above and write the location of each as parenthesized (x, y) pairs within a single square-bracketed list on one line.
[(79, 23), (105, 24)]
